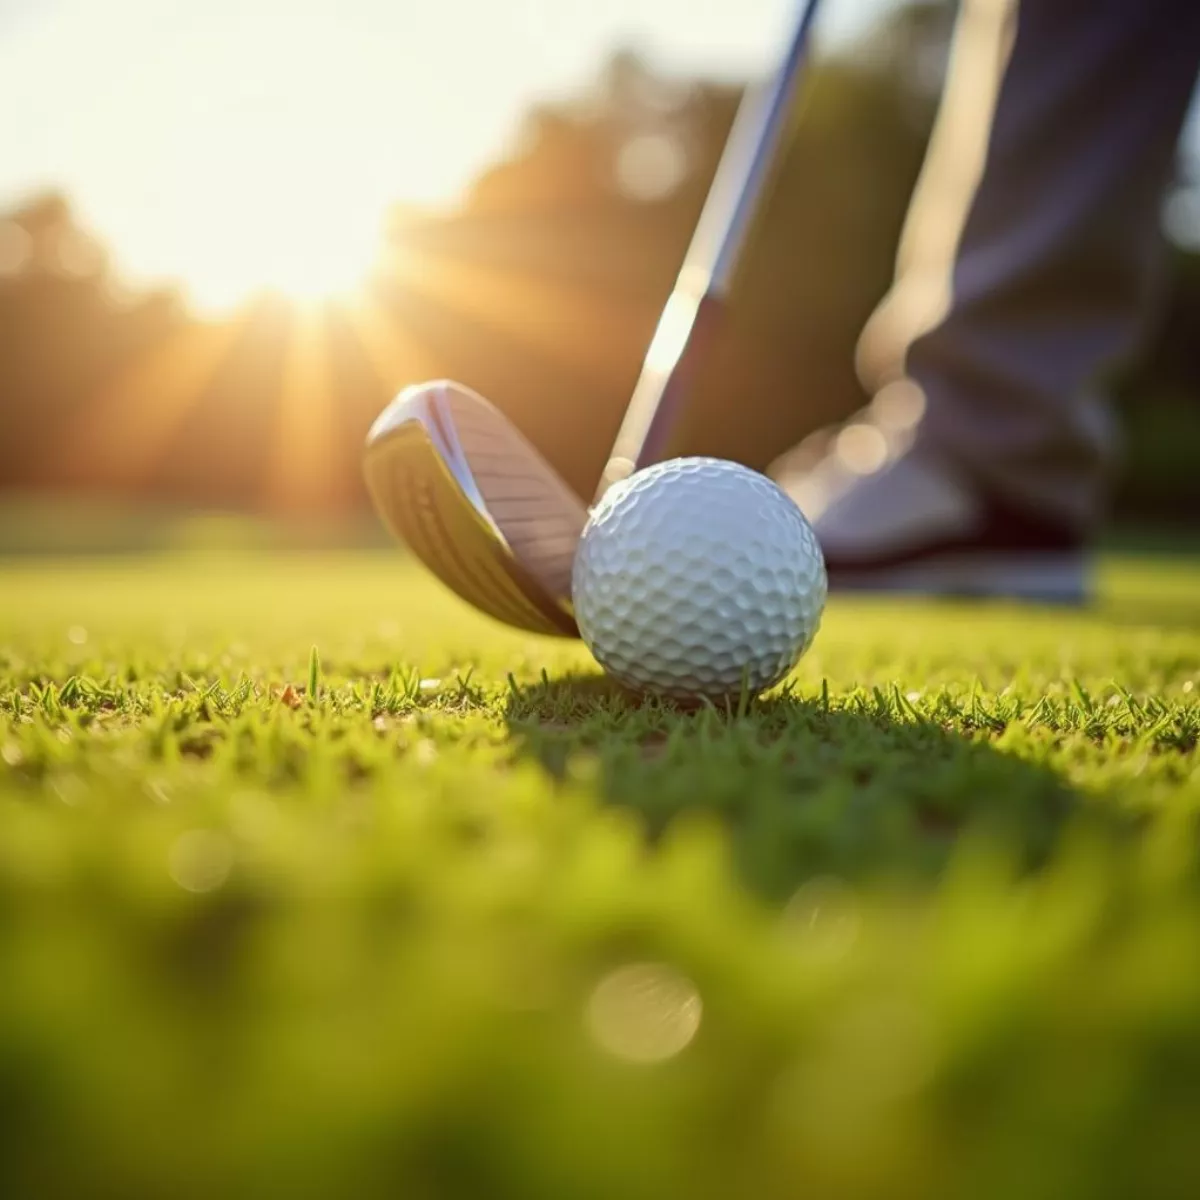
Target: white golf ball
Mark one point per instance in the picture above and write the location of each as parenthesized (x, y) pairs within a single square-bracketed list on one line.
[(696, 577)]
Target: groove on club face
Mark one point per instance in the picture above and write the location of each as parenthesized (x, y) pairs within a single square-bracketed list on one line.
[(536, 513), (432, 462)]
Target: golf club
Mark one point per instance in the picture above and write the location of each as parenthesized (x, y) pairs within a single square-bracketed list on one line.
[(457, 482)]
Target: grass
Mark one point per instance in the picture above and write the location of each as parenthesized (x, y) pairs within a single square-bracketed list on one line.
[(314, 883)]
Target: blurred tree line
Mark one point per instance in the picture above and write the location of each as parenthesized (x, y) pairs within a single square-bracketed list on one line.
[(542, 290)]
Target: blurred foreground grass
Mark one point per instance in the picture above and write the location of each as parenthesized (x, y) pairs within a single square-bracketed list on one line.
[(434, 911)]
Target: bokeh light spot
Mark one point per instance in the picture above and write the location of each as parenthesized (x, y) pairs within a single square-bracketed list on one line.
[(650, 166), (823, 914), (898, 406), (862, 448), (76, 256), (16, 249), (644, 1012), (1181, 218), (200, 860)]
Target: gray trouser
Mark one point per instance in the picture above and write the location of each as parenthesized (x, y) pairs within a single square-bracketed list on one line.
[(1032, 247)]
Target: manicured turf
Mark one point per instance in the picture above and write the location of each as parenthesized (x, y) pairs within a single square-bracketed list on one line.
[(314, 883)]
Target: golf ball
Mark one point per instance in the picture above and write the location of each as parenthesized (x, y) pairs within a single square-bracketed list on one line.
[(696, 577)]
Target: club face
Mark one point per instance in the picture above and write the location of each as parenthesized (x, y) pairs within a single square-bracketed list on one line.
[(427, 495)]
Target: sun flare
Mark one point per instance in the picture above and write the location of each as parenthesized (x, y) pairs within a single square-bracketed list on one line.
[(300, 246), (269, 161)]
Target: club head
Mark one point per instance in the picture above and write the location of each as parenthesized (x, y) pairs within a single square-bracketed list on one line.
[(460, 485)]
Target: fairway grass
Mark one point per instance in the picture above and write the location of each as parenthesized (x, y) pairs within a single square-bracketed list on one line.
[(315, 883)]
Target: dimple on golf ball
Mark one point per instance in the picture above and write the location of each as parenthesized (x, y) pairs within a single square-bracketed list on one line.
[(696, 578)]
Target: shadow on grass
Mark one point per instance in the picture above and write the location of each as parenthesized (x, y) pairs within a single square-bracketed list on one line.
[(861, 786)]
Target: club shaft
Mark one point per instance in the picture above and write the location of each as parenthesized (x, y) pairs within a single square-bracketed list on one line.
[(702, 289)]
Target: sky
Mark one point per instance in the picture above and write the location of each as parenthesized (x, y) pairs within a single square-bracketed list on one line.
[(206, 139)]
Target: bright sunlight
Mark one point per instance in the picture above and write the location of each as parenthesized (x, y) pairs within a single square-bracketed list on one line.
[(298, 235), (242, 146), (280, 179)]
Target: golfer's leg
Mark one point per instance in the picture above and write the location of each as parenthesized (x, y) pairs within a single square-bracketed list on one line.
[(1033, 239)]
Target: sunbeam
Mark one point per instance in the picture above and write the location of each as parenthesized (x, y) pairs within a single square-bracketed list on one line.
[(121, 433), (397, 357), (301, 470)]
